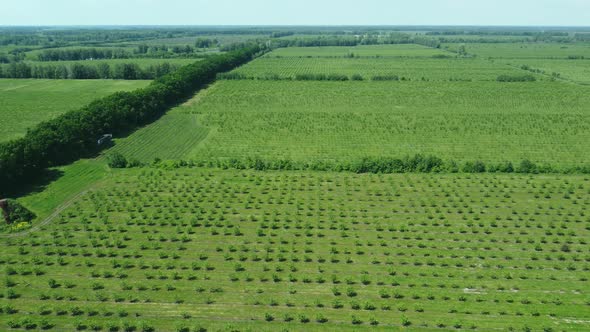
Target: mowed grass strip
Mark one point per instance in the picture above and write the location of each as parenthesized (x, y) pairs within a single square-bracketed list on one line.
[(26, 102), (308, 251), (171, 137)]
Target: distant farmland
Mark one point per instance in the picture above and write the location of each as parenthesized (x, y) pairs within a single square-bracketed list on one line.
[(304, 179)]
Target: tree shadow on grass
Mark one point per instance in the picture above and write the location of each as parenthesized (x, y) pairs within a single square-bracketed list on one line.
[(35, 184)]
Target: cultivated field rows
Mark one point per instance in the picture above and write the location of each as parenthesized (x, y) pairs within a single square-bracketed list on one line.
[(306, 248)]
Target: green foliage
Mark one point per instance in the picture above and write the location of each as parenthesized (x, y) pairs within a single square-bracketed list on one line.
[(516, 78), (18, 213), (397, 244), (116, 160)]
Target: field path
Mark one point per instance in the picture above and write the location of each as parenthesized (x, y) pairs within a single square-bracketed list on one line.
[(47, 220)]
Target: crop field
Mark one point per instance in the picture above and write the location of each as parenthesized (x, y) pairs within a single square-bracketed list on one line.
[(413, 69), (26, 102), (525, 50), (305, 250), (306, 121), (404, 50)]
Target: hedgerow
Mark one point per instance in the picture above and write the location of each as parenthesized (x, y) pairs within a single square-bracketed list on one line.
[(376, 165), (73, 135), (516, 78)]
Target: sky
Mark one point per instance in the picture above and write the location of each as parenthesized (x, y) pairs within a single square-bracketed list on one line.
[(296, 12)]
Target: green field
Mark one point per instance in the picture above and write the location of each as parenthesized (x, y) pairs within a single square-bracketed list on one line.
[(525, 50), (303, 251), (26, 102), (405, 68), (404, 50), (574, 70), (201, 236), (546, 122)]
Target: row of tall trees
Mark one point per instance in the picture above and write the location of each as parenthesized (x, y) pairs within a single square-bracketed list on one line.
[(141, 51), (101, 70), (346, 40), (73, 135), (74, 54)]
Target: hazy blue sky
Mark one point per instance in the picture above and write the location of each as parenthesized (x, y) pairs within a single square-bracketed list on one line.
[(297, 12)]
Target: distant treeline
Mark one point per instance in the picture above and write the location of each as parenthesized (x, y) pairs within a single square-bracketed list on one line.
[(368, 39), (74, 54), (141, 51), (62, 37), (101, 70), (378, 165), (497, 33), (74, 134)]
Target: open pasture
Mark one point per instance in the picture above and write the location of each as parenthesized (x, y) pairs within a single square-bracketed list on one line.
[(413, 69), (26, 102), (397, 50), (304, 251)]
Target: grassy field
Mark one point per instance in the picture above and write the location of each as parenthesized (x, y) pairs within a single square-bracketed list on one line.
[(404, 50), (303, 251), (414, 69), (26, 102), (172, 137), (546, 122)]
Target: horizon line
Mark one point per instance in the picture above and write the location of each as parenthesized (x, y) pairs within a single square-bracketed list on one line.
[(295, 25)]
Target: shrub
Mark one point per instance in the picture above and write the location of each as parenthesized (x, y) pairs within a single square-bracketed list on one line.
[(516, 78), (356, 321), (405, 321), (17, 213), (117, 160), (385, 78), (356, 77), (474, 167), (527, 166)]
